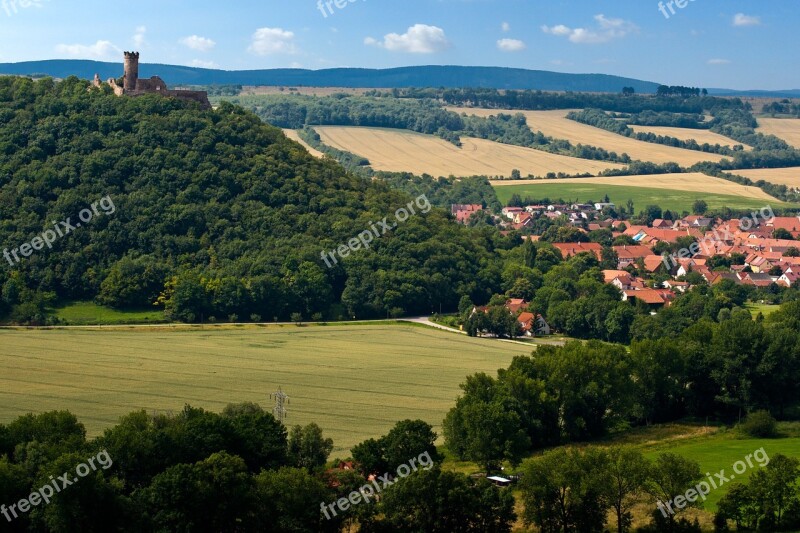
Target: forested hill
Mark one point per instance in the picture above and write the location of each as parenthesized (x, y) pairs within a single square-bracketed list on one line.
[(421, 76), (215, 211)]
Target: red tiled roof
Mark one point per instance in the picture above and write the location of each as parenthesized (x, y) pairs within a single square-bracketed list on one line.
[(568, 249), (648, 296)]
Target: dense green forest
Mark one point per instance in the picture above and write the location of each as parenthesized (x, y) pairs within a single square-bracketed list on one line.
[(240, 470), (217, 215)]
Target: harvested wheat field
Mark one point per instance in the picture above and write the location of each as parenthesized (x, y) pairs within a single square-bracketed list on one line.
[(787, 129), (691, 182), (686, 134), (779, 176), (402, 150), (555, 124), (292, 134)]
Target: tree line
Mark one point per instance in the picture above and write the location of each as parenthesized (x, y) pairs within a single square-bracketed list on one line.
[(680, 364), (239, 470)]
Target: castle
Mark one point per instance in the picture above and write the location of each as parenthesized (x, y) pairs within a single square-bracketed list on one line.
[(132, 85)]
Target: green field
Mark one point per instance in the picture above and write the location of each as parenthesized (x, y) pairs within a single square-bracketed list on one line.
[(88, 313), (764, 309), (674, 200), (721, 451), (356, 382)]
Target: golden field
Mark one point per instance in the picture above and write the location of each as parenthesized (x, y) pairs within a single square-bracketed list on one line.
[(555, 124), (779, 176), (692, 182), (292, 134), (686, 134), (787, 129), (402, 150)]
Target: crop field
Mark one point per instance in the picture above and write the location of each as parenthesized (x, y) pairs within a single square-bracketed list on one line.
[(669, 191), (555, 124), (402, 150), (259, 90), (686, 134), (292, 134), (354, 381), (689, 182), (787, 129), (779, 176)]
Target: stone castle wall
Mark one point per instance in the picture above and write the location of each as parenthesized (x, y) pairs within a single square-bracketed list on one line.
[(132, 85)]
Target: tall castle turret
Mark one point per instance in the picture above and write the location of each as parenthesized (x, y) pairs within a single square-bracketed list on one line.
[(131, 71), (133, 86)]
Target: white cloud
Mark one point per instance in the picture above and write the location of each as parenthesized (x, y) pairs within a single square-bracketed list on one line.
[(740, 19), (510, 45), (418, 39), (506, 26), (201, 44), (719, 61), (266, 41), (203, 64), (138, 37), (607, 30), (98, 50)]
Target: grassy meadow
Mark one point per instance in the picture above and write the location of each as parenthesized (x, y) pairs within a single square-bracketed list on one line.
[(91, 314), (676, 199), (356, 382)]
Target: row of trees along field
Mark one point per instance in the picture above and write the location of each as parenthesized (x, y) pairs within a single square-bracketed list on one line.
[(681, 364), (240, 470), (539, 100), (422, 116), (579, 489)]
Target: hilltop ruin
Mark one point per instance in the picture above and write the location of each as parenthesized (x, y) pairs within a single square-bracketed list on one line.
[(132, 85)]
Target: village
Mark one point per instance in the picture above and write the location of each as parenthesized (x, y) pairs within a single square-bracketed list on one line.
[(656, 262)]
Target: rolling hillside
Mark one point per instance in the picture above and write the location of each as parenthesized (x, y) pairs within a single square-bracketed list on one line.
[(418, 76), (405, 151), (555, 124), (787, 129)]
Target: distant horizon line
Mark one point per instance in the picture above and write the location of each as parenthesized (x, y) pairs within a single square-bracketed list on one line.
[(378, 69)]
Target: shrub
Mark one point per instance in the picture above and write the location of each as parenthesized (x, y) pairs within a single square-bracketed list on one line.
[(760, 424)]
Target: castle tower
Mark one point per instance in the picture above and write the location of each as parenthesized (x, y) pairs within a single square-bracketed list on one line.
[(131, 71)]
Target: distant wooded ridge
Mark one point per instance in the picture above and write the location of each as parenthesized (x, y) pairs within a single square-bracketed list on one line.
[(418, 76)]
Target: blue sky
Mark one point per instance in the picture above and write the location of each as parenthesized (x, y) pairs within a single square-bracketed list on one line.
[(738, 44)]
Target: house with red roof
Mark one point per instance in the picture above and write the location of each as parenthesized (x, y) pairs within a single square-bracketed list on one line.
[(462, 212), (568, 249)]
